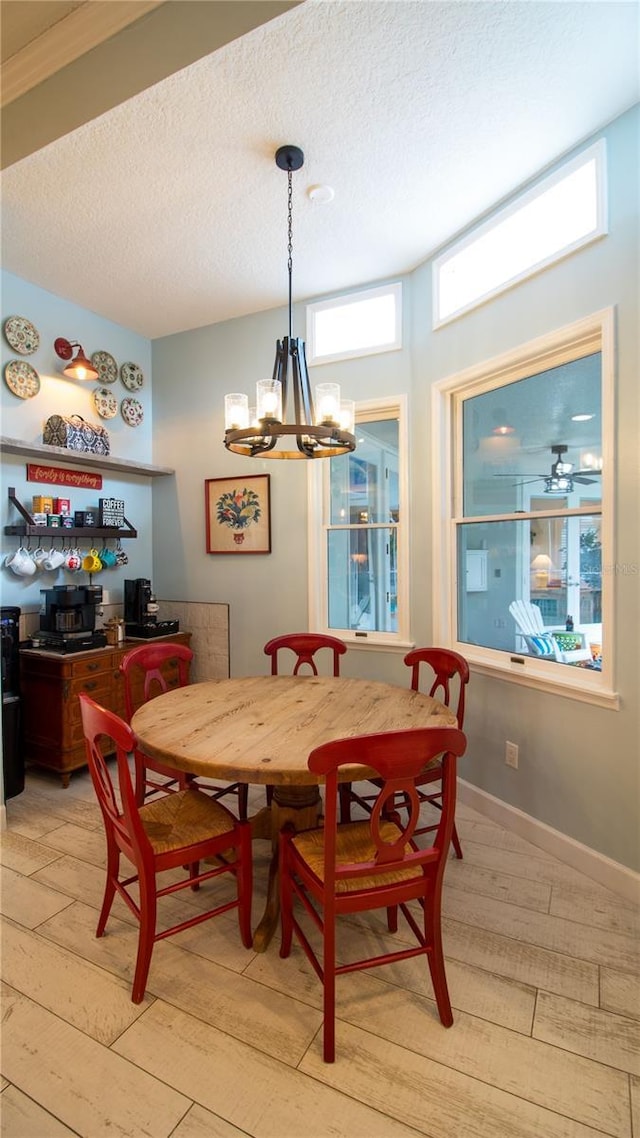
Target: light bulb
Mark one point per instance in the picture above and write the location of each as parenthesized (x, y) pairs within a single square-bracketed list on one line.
[(236, 411), (269, 399), (327, 404)]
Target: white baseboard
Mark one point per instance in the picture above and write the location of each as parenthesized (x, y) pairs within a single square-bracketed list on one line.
[(619, 878)]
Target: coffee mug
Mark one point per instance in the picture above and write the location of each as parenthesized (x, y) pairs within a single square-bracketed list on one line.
[(122, 558), (39, 557), (54, 559), (108, 558), (91, 563), (73, 560), (21, 563)]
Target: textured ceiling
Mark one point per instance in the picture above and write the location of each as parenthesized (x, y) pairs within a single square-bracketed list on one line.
[(168, 212)]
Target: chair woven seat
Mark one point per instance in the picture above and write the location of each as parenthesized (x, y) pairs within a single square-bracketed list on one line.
[(184, 819), (353, 847)]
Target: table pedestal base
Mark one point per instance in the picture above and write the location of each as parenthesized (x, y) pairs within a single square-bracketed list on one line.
[(300, 805)]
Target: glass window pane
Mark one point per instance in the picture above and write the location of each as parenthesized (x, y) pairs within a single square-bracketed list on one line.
[(362, 588), (364, 485), (551, 568), (509, 436), (557, 216)]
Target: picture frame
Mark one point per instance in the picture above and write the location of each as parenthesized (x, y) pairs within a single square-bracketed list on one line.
[(238, 514)]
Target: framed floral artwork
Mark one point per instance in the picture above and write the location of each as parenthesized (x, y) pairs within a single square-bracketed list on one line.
[(238, 514)]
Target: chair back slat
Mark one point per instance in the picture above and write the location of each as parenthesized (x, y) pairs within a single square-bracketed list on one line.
[(149, 659), (305, 645), (445, 664)]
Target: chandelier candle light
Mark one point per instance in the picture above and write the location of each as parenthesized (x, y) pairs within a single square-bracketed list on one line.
[(322, 431)]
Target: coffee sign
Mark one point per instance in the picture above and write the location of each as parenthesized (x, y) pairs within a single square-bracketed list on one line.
[(111, 512)]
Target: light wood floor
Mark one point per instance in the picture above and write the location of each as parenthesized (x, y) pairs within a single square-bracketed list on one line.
[(543, 973)]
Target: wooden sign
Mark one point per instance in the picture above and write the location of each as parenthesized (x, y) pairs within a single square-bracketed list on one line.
[(82, 479), (111, 512)]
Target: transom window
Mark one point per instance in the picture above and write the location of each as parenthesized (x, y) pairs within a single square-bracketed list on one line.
[(358, 540), (523, 573), (557, 216), (360, 324)]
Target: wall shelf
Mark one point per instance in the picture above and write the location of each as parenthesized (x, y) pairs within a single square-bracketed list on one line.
[(28, 527), (48, 454)]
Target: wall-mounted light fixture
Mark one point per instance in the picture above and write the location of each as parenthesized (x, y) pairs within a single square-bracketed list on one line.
[(78, 368)]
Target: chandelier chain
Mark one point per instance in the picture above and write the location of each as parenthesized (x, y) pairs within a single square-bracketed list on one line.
[(290, 241)]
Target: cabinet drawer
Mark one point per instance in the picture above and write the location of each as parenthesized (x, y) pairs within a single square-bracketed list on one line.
[(98, 687), (93, 667)]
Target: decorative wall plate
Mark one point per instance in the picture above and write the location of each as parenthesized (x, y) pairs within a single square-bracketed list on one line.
[(22, 379), (132, 376), (105, 402), (105, 366), (21, 335), (132, 412)]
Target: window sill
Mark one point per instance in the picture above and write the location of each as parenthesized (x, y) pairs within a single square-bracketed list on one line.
[(518, 674), (372, 643)]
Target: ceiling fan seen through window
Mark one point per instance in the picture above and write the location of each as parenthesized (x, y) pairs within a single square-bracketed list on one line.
[(562, 476)]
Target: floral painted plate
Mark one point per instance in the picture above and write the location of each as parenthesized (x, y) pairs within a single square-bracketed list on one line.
[(132, 412), (132, 376), (22, 379), (105, 402), (106, 367), (21, 335)]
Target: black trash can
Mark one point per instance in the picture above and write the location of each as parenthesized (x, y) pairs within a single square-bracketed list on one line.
[(12, 751)]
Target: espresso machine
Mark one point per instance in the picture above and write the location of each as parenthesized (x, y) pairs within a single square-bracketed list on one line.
[(68, 618), (141, 612)]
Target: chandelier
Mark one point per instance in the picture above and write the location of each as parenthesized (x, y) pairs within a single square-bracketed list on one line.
[(285, 422)]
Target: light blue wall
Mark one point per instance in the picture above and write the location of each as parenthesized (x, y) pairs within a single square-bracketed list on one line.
[(24, 419), (578, 764)]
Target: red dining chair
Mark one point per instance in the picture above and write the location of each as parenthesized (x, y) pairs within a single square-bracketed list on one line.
[(142, 669), (304, 646), (178, 829), (372, 864), (448, 669)]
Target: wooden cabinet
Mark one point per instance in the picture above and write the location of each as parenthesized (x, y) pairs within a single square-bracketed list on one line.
[(50, 684)]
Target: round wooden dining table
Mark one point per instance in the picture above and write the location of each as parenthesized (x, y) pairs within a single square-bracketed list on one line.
[(261, 729)]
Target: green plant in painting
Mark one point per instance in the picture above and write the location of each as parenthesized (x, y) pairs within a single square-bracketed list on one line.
[(238, 508)]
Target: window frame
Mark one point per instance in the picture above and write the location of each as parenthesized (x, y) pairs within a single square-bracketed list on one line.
[(371, 410), (594, 333), (395, 290), (596, 152)]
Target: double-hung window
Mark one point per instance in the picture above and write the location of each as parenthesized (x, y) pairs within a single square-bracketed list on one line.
[(358, 532), (522, 582)]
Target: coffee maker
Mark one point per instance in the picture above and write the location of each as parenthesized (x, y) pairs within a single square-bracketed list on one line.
[(68, 618), (141, 611)]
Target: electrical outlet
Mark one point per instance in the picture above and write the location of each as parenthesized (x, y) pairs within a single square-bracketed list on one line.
[(511, 755)]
